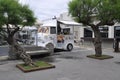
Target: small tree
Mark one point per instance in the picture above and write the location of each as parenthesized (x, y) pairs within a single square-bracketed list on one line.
[(13, 15), (105, 12)]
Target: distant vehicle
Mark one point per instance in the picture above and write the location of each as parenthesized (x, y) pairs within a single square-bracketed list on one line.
[(57, 34), (27, 35)]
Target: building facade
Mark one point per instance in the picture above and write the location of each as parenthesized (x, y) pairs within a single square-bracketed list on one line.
[(107, 32)]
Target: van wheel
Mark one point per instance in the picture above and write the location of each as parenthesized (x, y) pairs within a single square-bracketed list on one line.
[(50, 47), (69, 47)]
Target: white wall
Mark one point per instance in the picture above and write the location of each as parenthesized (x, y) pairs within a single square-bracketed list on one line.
[(111, 32), (65, 16), (81, 30)]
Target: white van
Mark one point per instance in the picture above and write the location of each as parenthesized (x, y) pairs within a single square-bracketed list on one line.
[(57, 34)]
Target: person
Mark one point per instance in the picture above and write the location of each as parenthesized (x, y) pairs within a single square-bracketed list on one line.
[(81, 41), (60, 38)]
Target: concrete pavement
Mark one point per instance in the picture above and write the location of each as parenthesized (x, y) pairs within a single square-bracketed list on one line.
[(69, 66), (4, 50)]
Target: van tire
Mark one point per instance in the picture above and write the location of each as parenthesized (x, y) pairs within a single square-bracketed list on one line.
[(50, 47), (69, 47)]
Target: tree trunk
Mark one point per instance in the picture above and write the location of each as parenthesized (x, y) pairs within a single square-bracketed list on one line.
[(16, 51), (116, 46), (97, 41)]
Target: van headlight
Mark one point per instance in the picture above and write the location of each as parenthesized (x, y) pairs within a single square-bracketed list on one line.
[(40, 40), (51, 38), (45, 37)]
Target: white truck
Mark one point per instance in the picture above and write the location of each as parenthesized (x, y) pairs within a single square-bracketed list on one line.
[(57, 34)]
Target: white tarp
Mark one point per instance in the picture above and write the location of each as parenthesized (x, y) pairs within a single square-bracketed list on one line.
[(54, 23), (72, 23)]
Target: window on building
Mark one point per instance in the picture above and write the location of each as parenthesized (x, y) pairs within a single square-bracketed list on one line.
[(117, 31), (104, 32), (87, 32)]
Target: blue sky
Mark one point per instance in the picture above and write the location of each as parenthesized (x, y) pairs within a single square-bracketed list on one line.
[(45, 9)]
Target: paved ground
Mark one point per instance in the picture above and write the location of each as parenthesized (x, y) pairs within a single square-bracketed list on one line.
[(3, 50), (69, 66)]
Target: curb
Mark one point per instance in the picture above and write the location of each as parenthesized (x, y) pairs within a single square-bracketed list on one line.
[(4, 46), (3, 58)]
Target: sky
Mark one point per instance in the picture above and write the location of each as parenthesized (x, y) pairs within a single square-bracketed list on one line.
[(45, 9)]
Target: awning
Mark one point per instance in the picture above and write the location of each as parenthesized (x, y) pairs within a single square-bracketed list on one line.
[(55, 22), (71, 23)]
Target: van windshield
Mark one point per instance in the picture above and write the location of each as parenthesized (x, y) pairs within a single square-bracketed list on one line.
[(43, 30)]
